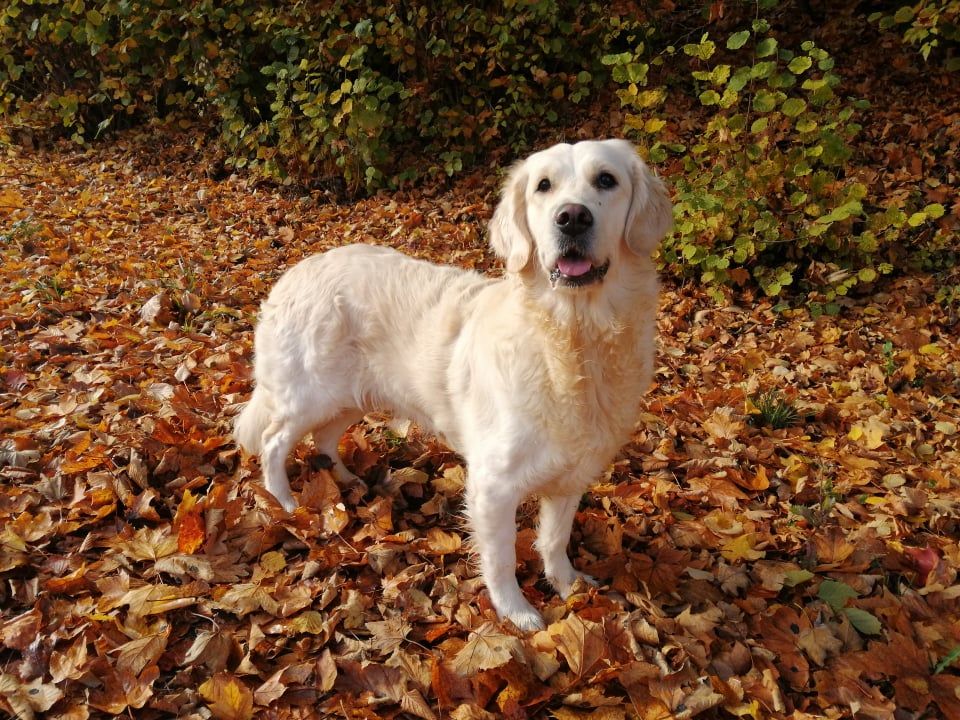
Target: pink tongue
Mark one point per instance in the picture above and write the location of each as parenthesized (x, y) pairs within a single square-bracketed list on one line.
[(574, 267)]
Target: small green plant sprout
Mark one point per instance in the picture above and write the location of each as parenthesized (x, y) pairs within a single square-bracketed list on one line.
[(889, 362), (949, 659), (21, 232), (772, 409)]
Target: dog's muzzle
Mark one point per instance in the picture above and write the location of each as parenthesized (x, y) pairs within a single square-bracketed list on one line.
[(575, 270)]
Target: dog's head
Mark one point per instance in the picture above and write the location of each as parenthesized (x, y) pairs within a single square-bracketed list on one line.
[(571, 211)]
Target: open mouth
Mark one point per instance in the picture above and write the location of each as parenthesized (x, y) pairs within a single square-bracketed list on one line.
[(575, 270)]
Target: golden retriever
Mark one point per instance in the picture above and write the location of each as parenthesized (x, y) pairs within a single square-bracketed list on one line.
[(536, 377)]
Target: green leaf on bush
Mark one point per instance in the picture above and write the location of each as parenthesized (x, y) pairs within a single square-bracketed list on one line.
[(863, 621), (767, 46), (842, 212), (709, 97), (764, 101), (793, 106), (867, 243), (758, 125), (636, 73), (617, 59), (738, 40), (904, 14), (702, 50), (763, 69), (800, 64), (917, 219), (739, 80), (934, 211)]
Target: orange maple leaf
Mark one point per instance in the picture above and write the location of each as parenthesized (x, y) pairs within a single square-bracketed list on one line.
[(189, 524)]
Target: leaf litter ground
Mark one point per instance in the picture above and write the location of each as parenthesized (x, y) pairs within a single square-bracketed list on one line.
[(804, 572)]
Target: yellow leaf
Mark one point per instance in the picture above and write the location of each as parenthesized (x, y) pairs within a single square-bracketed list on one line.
[(273, 562), (946, 427), (830, 334), (930, 349), (442, 542), (869, 433), (751, 709), (654, 125), (227, 697), (742, 548), (310, 622), (10, 199)]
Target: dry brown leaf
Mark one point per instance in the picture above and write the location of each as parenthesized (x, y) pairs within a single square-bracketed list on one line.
[(819, 643), (134, 656), (486, 648), (227, 697), (581, 642)]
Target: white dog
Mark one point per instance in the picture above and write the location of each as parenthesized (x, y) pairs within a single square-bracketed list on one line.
[(536, 378)]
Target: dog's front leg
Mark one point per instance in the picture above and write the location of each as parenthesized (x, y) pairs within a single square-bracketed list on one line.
[(492, 510), (553, 536)]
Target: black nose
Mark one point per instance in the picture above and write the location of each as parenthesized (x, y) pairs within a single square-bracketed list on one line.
[(573, 219)]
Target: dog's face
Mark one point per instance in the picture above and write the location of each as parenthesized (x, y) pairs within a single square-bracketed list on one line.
[(571, 211)]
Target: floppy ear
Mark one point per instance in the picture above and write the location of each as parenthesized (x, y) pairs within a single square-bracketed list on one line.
[(509, 235), (651, 213)]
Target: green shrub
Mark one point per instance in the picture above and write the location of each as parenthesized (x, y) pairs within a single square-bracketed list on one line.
[(753, 134), (762, 191), (933, 26), (313, 89)]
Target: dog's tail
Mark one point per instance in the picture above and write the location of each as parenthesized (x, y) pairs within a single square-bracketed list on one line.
[(251, 422)]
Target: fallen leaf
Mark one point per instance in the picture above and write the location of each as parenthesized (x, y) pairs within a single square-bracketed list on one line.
[(486, 648), (227, 697)]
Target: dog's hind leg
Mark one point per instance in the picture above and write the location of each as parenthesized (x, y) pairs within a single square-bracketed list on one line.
[(327, 436), (279, 438)]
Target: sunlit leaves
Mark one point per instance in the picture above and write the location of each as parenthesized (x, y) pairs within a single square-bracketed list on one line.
[(189, 524), (158, 580), (738, 40), (792, 107), (800, 64), (227, 697), (487, 648), (766, 47)]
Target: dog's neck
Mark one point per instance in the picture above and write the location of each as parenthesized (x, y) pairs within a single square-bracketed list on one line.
[(600, 313), (597, 344)]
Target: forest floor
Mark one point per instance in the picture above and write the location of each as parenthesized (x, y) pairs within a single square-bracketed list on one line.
[(745, 571)]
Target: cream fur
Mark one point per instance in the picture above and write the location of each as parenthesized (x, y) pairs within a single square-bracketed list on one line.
[(536, 385)]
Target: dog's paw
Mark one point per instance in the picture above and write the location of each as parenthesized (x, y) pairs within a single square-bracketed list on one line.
[(287, 502), (515, 608), (526, 619), (574, 582)]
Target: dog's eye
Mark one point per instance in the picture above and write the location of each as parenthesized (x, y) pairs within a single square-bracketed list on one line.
[(606, 181), (543, 185)]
